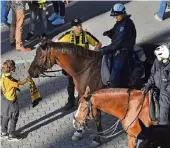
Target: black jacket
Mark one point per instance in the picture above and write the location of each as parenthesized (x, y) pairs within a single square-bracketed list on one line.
[(123, 36), (160, 76)]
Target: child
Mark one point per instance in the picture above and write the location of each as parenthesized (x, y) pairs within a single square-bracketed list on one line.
[(9, 107)]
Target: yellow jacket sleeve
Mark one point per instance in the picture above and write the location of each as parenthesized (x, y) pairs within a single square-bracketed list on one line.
[(92, 40), (42, 1), (64, 38)]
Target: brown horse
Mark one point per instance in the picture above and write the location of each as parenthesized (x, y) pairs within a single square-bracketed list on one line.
[(82, 64), (128, 107)]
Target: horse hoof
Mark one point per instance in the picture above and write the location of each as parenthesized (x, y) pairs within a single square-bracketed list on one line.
[(77, 136), (95, 144)]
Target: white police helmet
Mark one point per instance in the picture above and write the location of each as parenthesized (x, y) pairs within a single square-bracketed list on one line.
[(118, 9), (162, 52)]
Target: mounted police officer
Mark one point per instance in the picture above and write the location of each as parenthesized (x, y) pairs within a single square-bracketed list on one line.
[(82, 38), (160, 78), (123, 38)]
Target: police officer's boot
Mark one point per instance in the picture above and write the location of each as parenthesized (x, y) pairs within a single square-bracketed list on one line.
[(71, 99)]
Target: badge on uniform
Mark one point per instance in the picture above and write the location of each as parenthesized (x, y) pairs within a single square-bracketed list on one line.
[(76, 20), (121, 29)]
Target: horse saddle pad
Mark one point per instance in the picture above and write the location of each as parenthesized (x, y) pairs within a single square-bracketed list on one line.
[(154, 110), (105, 74)]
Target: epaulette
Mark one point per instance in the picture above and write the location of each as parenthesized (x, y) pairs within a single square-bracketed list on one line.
[(68, 32)]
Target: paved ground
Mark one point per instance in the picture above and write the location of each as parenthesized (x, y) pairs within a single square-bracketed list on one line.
[(47, 125)]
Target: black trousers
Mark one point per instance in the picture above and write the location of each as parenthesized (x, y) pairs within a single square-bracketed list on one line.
[(70, 88), (59, 7), (9, 114), (164, 103)]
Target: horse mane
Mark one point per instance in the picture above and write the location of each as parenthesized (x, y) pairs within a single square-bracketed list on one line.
[(70, 48), (116, 91)]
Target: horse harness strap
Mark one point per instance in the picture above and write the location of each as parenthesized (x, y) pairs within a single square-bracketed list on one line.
[(88, 66), (127, 107), (143, 99), (49, 63)]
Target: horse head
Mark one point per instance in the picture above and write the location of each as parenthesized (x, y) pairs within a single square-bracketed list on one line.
[(42, 60), (84, 111)]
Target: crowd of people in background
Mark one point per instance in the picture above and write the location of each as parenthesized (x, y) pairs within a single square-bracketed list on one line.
[(13, 16)]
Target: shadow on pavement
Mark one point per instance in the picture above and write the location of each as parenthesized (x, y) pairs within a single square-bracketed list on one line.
[(167, 15), (44, 121)]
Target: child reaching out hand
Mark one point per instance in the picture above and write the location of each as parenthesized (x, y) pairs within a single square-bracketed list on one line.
[(9, 101)]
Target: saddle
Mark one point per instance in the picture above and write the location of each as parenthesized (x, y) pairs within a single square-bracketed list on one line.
[(136, 68), (105, 71), (154, 111)]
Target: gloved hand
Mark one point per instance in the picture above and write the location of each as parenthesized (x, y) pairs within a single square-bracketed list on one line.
[(105, 33), (145, 89), (102, 49)]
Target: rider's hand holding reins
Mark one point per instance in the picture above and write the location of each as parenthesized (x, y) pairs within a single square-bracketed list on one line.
[(106, 33), (145, 89)]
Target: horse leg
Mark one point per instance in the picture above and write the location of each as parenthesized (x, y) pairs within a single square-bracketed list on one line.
[(96, 140), (131, 142)]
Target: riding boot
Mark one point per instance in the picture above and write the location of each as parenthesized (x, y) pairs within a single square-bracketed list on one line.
[(70, 89)]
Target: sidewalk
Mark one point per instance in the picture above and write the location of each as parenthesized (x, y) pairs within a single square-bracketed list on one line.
[(71, 12), (47, 125)]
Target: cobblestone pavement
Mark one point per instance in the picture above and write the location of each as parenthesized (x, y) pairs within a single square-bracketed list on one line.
[(48, 125)]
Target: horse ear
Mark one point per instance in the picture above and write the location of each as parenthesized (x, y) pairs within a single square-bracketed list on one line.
[(43, 53), (87, 95), (142, 125), (44, 39), (87, 91)]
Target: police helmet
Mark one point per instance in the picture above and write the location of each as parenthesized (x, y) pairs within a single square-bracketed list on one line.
[(118, 9)]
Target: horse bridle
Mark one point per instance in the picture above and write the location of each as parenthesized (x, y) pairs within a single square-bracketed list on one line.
[(89, 104), (48, 63)]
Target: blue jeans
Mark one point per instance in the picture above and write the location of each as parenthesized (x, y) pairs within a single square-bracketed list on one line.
[(10, 16), (3, 11), (162, 9), (59, 7), (118, 64), (139, 141)]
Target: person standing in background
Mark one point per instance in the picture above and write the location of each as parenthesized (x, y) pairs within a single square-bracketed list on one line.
[(38, 8), (58, 16), (163, 6), (16, 27)]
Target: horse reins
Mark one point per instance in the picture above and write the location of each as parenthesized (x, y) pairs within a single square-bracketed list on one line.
[(49, 62), (113, 128), (89, 66)]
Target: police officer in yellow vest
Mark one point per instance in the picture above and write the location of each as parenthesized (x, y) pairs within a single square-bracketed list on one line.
[(82, 38)]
